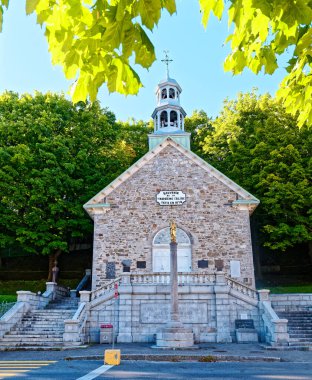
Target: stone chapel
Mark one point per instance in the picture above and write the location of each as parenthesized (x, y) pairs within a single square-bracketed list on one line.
[(131, 239), (131, 215)]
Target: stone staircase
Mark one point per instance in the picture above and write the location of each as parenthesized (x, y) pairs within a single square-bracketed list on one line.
[(41, 328), (299, 328)]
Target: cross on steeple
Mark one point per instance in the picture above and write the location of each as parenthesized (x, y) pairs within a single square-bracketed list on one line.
[(166, 60)]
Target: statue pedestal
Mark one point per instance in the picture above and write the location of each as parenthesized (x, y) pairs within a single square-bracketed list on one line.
[(175, 337)]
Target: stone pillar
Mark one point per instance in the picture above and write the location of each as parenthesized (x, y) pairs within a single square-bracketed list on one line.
[(174, 334), (125, 310), (84, 296), (174, 302), (88, 272), (264, 295), (71, 335), (221, 290), (51, 287)]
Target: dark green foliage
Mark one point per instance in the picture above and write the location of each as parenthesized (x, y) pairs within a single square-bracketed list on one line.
[(258, 145), (53, 158)]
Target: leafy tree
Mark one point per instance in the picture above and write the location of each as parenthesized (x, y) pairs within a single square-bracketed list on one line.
[(96, 40), (198, 124), (135, 134), (54, 156), (258, 145)]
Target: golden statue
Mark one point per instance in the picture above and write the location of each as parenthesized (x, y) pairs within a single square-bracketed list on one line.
[(173, 231)]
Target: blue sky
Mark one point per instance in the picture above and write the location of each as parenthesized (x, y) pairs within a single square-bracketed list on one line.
[(197, 65)]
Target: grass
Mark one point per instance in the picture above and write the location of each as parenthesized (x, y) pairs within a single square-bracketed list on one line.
[(11, 287), (7, 298), (291, 289)]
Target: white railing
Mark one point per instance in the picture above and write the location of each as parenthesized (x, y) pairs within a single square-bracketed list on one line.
[(164, 278), (241, 288), (107, 287)]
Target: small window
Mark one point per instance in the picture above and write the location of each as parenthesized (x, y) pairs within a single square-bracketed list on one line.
[(125, 269), (141, 264), (164, 93), (171, 93)]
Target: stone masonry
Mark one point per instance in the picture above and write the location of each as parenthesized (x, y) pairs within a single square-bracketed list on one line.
[(125, 229)]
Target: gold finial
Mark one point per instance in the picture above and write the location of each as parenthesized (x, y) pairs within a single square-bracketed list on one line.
[(166, 60), (173, 231)]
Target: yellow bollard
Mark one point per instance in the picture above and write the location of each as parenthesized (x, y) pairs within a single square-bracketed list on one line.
[(112, 357)]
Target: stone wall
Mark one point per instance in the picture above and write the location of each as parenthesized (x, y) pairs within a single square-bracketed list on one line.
[(218, 231), (291, 302), (143, 309)]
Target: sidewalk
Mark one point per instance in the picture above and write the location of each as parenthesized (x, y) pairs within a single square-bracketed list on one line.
[(144, 351)]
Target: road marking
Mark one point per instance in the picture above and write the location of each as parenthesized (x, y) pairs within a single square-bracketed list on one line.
[(10, 368), (97, 372)]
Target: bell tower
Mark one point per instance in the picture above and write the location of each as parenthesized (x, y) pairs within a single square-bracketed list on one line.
[(168, 115)]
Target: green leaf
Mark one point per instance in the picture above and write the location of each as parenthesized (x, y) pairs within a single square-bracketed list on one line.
[(149, 11), (31, 6)]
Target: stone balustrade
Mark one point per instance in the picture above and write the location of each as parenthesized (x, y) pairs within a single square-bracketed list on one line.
[(242, 288), (107, 287), (26, 301), (164, 278)]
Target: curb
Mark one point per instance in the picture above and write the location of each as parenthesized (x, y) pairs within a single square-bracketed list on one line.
[(181, 358)]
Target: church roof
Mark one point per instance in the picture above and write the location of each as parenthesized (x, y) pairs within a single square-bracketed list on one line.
[(169, 81), (245, 198)]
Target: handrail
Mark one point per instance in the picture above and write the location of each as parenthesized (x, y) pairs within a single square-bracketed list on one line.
[(5, 306), (242, 288), (108, 286), (275, 327), (73, 328)]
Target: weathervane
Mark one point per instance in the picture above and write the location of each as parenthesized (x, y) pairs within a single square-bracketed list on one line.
[(166, 60)]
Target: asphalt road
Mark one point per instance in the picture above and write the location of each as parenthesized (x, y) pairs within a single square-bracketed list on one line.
[(136, 370)]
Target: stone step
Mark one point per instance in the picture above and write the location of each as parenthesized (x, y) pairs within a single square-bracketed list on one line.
[(36, 331), (33, 344), (41, 323), (301, 335), (300, 344), (32, 338), (308, 340)]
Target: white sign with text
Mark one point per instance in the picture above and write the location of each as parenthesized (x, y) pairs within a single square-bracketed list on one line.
[(170, 197)]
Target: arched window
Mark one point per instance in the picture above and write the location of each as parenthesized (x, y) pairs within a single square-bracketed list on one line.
[(164, 93), (164, 119), (171, 93), (173, 118), (161, 251)]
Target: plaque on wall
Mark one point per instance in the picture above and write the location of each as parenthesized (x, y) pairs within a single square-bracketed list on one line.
[(110, 270), (235, 268), (170, 197), (202, 263), (160, 313)]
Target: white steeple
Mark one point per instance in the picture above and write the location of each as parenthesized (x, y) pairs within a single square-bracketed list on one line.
[(168, 115)]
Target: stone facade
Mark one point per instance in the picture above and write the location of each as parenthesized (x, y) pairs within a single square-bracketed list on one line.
[(209, 308), (124, 230), (131, 238)]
